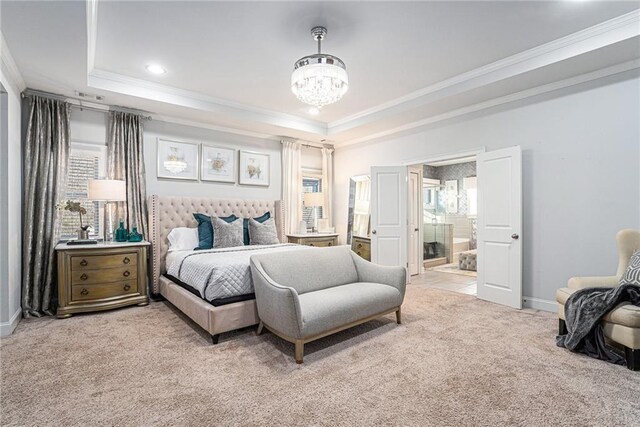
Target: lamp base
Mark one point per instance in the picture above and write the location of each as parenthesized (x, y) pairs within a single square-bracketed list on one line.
[(106, 221)]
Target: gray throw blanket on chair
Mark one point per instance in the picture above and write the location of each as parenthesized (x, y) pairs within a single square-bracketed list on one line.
[(583, 311)]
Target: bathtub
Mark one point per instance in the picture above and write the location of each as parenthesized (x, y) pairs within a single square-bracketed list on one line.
[(460, 244)]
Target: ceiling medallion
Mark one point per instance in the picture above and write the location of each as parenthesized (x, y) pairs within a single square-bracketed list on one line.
[(319, 79)]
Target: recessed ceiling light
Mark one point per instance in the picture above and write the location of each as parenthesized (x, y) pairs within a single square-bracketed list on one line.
[(155, 69), (314, 111)]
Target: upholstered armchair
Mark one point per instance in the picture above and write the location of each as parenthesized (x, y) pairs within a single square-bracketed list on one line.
[(622, 324)]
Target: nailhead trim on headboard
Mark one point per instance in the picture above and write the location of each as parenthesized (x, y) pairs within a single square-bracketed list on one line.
[(167, 213)]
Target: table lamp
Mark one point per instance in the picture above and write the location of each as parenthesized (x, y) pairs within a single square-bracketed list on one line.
[(107, 191), (313, 200)]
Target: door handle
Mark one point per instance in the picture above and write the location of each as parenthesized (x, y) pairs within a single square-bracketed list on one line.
[(374, 232), (416, 229), (515, 236)]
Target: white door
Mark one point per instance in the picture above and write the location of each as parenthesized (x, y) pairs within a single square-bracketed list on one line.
[(415, 217), (389, 215), (500, 226)]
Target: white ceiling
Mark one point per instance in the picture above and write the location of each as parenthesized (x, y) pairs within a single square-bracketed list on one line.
[(229, 63)]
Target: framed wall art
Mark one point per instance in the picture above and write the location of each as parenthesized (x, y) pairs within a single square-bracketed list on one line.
[(178, 160), (254, 168), (218, 164)]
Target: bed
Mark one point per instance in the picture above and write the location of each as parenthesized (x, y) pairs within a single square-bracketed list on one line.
[(167, 213)]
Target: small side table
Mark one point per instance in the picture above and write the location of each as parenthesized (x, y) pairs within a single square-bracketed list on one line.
[(101, 277), (314, 239)]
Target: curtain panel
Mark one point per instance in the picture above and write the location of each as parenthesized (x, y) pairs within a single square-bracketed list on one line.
[(46, 159), (292, 185), (327, 183), (125, 161)]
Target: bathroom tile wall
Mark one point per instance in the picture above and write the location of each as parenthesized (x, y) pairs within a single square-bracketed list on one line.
[(449, 172)]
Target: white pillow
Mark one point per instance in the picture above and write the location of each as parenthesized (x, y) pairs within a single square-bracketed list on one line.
[(183, 239)]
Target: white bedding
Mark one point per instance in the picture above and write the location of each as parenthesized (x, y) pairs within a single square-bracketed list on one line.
[(219, 273)]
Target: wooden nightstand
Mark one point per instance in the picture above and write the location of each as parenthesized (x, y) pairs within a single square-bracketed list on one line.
[(101, 277), (314, 239), (361, 246)]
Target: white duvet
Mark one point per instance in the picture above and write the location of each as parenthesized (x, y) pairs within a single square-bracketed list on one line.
[(219, 273)]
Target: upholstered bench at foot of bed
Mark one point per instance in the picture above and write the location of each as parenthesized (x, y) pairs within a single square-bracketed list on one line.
[(214, 320), (306, 295)]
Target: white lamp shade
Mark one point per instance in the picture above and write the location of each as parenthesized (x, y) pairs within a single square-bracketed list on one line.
[(108, 190), (313, 199)]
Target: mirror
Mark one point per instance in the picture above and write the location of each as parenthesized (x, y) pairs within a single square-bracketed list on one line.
[(359, 223)]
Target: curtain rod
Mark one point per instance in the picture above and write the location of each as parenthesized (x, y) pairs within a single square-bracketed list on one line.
[(79, 104), (319, 147)]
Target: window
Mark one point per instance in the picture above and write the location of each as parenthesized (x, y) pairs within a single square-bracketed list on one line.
[(311, 185), (86, 161)]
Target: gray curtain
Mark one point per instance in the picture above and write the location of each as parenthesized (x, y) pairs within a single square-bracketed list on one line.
[(126, 162), (46, 157)]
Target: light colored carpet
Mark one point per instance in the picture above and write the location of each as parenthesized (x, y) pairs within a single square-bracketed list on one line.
[(456, 361)]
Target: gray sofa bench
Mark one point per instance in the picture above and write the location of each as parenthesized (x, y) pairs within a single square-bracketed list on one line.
[(306, 295)]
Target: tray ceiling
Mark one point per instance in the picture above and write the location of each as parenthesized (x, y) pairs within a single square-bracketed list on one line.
[(229, 63)]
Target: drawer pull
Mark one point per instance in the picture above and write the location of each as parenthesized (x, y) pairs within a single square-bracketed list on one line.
[(126, 260), (330, 243), (84, 262), (359, 245), (127, 287), (84, 277), (126, 273), (84, 292)]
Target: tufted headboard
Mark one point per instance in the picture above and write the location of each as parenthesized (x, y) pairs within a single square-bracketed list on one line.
[(167, 213)]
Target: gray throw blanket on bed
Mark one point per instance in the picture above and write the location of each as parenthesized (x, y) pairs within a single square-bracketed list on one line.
[(583, 311)]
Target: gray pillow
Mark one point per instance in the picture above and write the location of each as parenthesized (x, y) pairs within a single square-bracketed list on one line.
[(263, 233), (632, 275), (227, 235)]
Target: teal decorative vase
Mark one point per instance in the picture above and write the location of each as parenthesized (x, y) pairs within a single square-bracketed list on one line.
[(121, 234), (134, 236)]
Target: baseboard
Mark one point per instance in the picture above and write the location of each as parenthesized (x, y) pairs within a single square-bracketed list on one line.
[(540, 304), (7, 328)]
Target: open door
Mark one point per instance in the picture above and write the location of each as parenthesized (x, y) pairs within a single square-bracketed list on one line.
[(389, 241), (500, 226), (415, 221)]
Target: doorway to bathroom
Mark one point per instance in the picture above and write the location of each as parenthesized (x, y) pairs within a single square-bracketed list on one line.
[(448, 215), (397, 220)]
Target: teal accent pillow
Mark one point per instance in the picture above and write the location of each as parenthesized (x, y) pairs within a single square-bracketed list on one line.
[(247, 240), (205, 229)]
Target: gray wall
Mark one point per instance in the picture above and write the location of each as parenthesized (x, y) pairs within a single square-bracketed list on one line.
[(10, 207), (90, 127), (581, 180)]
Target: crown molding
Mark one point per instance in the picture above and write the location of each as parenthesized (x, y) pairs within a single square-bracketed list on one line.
[(92, 33), (606, 33), (106, 80), (224, 129), (528, 93), (598, 36), (9, 67)]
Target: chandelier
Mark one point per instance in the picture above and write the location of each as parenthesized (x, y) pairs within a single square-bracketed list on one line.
[(319, 79)]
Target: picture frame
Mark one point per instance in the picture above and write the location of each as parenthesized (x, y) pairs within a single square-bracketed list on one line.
[(254, 168), (178, 160), (217, 164)]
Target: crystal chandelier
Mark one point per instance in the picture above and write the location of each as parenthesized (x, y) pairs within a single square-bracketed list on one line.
[(319, 79)]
